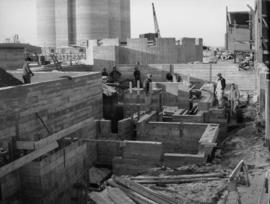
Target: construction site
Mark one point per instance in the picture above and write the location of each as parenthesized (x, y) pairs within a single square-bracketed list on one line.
[(90, 115)]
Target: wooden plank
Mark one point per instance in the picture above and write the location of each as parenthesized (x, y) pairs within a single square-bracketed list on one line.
[(25, 145), (236, 170), (100, 198), (176, 181), (146, 192), (103, 141), (26, 159), (118, 196), (188, 176), (210, 135), (133, 195), (30, 145)]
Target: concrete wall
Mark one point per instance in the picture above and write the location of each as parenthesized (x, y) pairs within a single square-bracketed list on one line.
[(162, 51), (50, 180), (147, 103), (60, 103), (261, 84), (238, 39), (201, 73), (10, 186), (176, 137), (107, 151), (190, 50), (174, 94), (11, 58)]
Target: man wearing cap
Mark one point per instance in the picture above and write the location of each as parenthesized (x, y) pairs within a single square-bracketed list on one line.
[(221, 85)]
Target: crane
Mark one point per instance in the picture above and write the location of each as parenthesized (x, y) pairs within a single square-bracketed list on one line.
[(157, 31)]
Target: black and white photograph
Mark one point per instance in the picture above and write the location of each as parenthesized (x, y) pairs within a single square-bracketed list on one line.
[(134, 101)]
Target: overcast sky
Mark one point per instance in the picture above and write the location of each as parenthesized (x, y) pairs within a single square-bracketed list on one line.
[(177, 18)]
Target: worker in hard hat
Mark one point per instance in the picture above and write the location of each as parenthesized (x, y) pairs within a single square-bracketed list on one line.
[(220, 87), (27, 73)]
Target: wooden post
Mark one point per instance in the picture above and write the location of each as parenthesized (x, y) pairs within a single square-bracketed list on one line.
[(210, 74), (266, 60), (130, 87), (138, 99)]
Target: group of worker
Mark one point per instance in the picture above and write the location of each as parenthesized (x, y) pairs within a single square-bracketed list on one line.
[(232, 101), (115, 75)]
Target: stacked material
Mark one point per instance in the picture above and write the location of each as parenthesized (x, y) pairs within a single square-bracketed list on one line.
[(124, 190)]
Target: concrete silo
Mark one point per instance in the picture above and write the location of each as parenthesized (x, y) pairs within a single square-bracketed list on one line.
[(72, 32), (92, 19), (61, 22), (46, 23), (114, 18), (125, 19), (65, 22), (69, 22)]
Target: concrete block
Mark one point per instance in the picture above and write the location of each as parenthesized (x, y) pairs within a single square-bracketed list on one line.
[(122, 166), (177, 160), (143, 150)]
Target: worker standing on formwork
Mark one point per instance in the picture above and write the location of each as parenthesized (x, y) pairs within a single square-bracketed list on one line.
[(220, 87), (27, 73), (104, 72), (137, 75), (115, 75)]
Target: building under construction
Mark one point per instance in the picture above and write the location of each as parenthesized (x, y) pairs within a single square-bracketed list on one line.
[(239, 31), (76, 135)]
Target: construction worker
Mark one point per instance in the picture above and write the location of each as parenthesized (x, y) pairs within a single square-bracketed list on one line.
[(169, 77), (147, 82), (104, 72), (137, 75), (115, 75), (220, 87), (234, 97), (27, 73)]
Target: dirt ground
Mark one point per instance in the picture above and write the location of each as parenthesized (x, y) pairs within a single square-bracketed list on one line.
[(242, 143), (247, 144)]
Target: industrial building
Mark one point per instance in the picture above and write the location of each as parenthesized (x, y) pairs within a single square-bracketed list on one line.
[(107, 52), (150, 131), (239, 31), (70, 22)]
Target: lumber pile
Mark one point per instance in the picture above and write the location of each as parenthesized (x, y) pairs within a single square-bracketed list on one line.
[(125, 191), (131, 190), (177, 179)]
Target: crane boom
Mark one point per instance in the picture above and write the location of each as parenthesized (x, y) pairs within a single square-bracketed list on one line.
[(156, 21)]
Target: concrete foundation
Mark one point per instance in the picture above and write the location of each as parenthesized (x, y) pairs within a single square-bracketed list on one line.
[(32, 114)]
